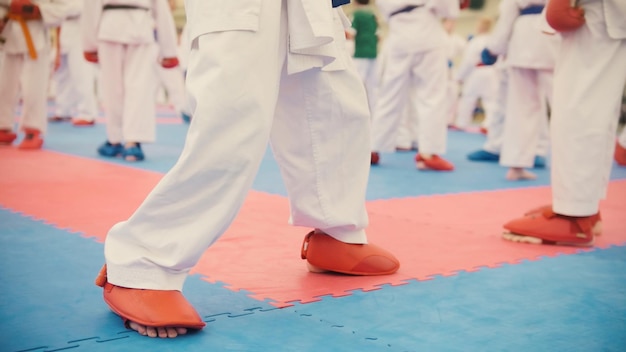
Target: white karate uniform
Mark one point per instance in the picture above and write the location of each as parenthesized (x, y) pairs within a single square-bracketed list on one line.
[(21, 73), (259, 71), (589, 80), (416, 56), (530, 57), (479, 82), (124, 40), (75, 77)]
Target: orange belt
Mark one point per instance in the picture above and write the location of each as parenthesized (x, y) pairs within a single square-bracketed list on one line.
[(29, 40)]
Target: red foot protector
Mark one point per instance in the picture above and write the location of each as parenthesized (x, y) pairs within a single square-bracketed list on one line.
[(153, 308), (326, 253), (551, 228), (596, 219)]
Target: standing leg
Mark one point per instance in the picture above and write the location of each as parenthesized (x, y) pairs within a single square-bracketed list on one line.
[(200, 196), (524, 115), (429, 79), (10, 71), (390, 102), (65, 95), (584, 120), (111, 83), (35, 78), (82, 76)]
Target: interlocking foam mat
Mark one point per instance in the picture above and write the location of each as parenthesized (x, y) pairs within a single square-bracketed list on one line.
[(460, 286)]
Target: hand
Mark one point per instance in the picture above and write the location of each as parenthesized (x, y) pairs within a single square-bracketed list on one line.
[(169, 62), (91, 56), (25, 9)]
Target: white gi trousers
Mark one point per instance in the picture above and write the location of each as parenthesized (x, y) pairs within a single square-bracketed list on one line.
[(369, 75), (128, 79), (75, 82), (589, 80), (425, 74), (33, 76), (495, 124), (318, 125), (529, 92)]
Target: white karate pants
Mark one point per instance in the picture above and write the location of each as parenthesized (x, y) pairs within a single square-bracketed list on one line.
[(318, 125), (32, 76), (425, 74), (529, 92), (128, 80), (589, 80)]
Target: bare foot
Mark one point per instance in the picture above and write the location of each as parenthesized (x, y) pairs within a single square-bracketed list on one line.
[(518, 174), (157, 332)]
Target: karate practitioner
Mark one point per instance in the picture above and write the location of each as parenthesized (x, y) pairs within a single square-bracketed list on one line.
[(479, 81), (259, 71), (589, 80), (416, 61), (25, 29), (75, 78), (530, 60), (120, 36)]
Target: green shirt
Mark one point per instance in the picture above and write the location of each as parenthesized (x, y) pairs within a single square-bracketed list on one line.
[(365, 41)]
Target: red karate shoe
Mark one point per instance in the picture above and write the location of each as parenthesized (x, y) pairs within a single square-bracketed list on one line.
[(83, 122), (375, 158), (620, 154), (435, 163), (32, 140), (7, 137), (155, 308), (325, 253), (595, 219), (548, 227)]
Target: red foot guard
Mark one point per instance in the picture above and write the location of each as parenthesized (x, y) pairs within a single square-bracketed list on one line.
[(324, 253), (154, 308)]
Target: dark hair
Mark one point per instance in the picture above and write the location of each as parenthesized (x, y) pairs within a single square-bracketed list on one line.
[(363, 2)]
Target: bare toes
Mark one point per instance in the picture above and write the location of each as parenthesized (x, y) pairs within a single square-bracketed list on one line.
[(139, 328)]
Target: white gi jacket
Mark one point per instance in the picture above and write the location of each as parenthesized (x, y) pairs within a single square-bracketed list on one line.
[(53, 12), (418, 30), (136, 26), (521, 37), (614, 18), (317, 44)]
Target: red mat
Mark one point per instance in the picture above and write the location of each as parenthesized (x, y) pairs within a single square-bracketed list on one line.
[(260, 253)]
